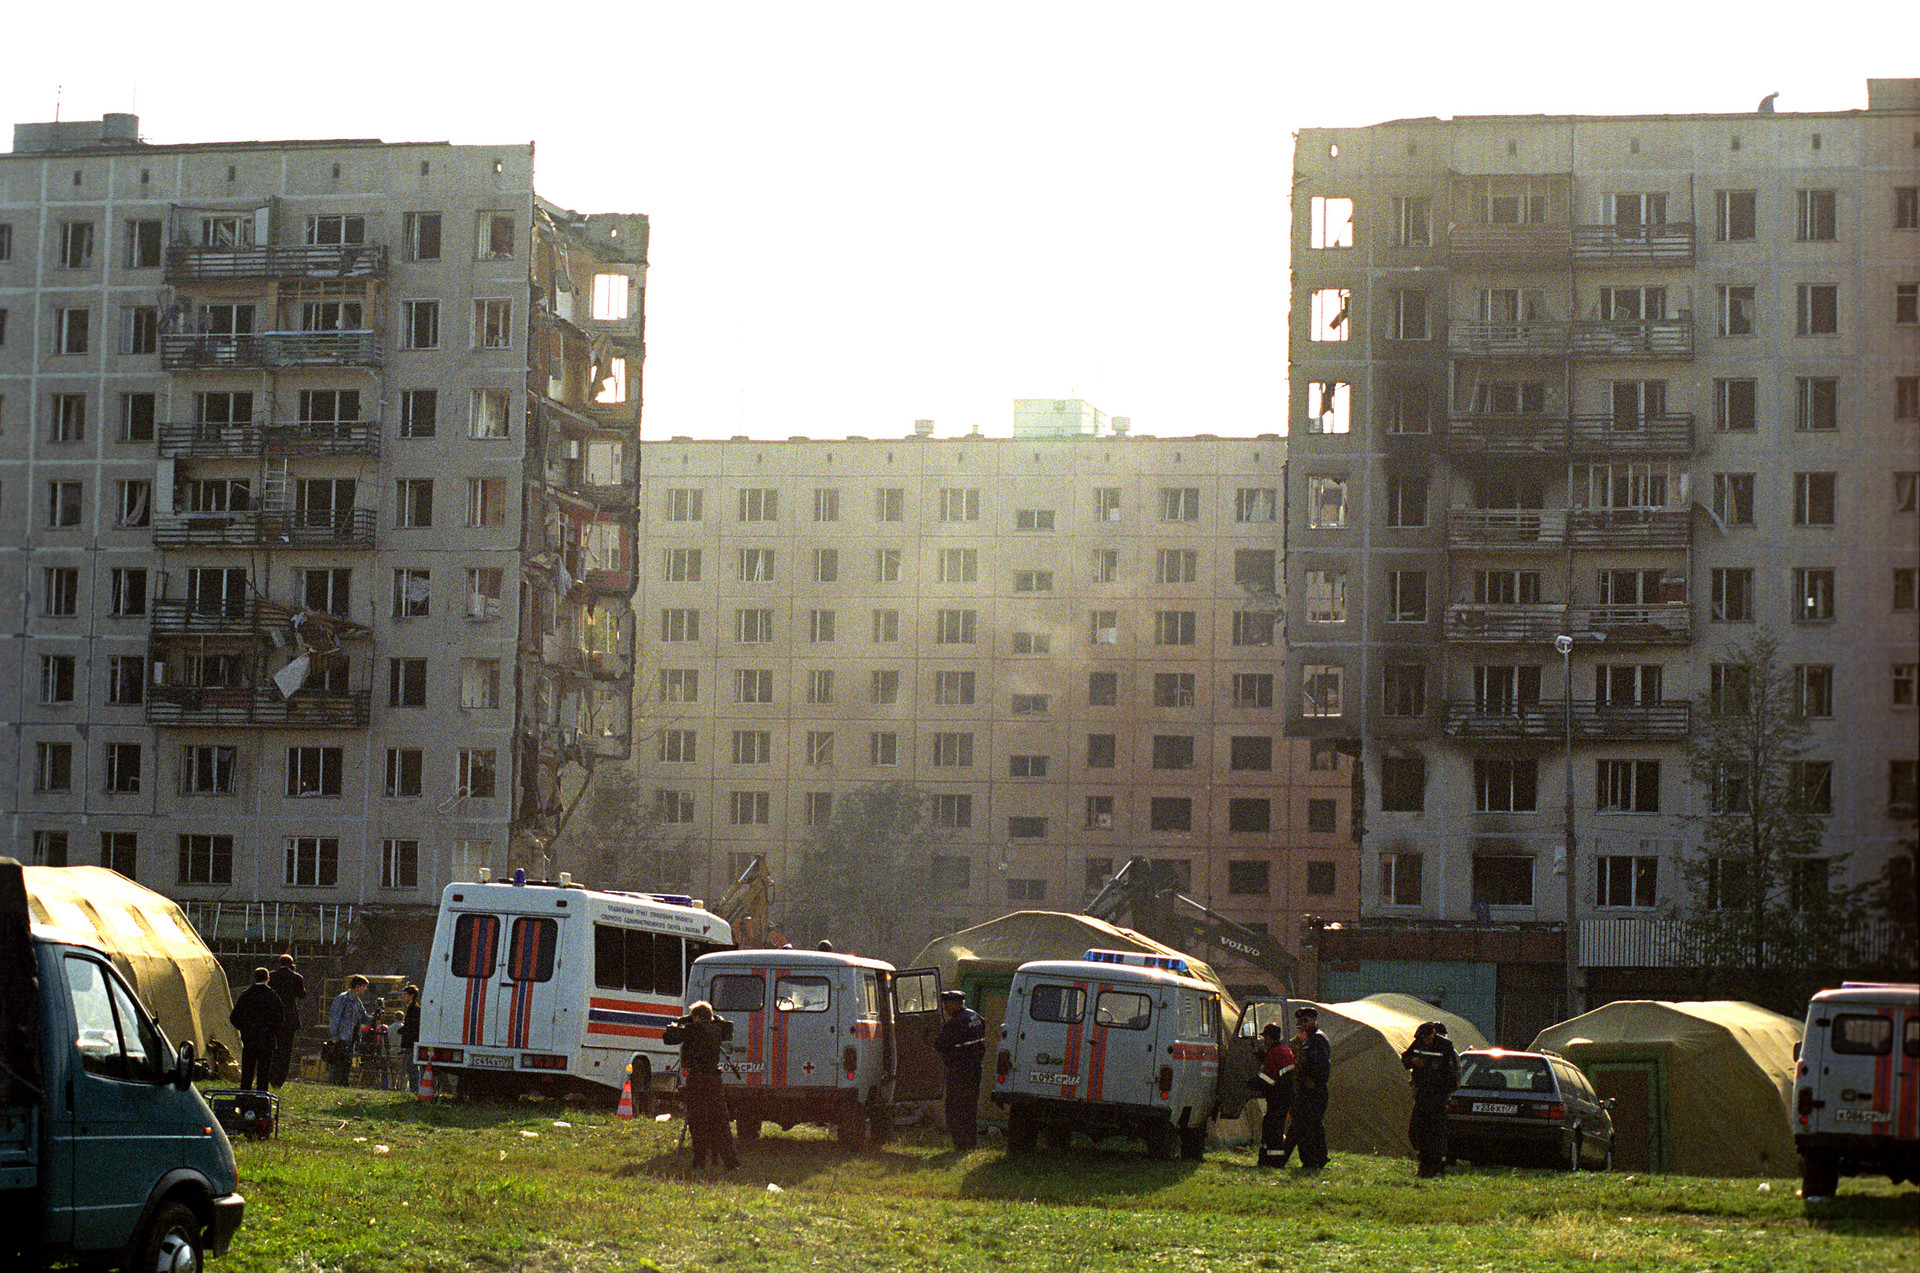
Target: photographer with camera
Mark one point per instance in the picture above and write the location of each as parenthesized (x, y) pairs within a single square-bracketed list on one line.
[(702, 1037)]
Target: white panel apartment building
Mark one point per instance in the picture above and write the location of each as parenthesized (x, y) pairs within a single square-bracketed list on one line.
[(316, 473)]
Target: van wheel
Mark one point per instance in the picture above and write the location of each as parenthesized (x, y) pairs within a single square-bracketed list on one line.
[(852, 1130), (170, 1242), (1163, 1142), (1022, 1135), (1819, 1176), (1193, 1143)]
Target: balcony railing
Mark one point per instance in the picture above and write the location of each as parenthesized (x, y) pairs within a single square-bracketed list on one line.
[(271, 349), (1562, 528), (1509, 244), (190, 264), (352, 529), (1594, 339), (1474, 623), (248, 441), (252, 617), (1670, 243), (258, 708), (1546, 722), (1556, 436)]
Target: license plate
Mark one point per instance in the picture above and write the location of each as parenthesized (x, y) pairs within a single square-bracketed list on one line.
[(1495, 1107), (1064, 1080), (481, 1061), (1861, 1116)]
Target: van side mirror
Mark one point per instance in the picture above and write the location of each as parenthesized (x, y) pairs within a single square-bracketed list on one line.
[(184, 1066)]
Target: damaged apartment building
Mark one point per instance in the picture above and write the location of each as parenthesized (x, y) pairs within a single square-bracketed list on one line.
[(317, 464)]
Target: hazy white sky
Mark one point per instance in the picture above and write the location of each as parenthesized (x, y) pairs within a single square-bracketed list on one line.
[(868, 213)]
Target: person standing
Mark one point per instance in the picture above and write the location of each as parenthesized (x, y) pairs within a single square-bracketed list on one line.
[(1435, 1073), (256, 1015), (345, 1016), (962, 1044), (292, 988), (701, 1036), (410, 1034), (1313, 1058), (1275, 1084)]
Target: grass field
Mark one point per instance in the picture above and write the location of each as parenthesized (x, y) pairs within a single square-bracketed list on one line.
[(361, 1181)]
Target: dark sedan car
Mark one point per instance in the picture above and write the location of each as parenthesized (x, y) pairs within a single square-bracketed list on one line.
[(1528, 1107)]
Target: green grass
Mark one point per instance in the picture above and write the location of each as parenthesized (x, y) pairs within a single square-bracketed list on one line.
[(360, 1182)]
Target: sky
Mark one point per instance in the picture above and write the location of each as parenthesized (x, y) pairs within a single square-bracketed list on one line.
[(865, 214)]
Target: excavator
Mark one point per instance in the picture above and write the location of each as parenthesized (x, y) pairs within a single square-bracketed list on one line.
[(748, 905), (1145, 895)]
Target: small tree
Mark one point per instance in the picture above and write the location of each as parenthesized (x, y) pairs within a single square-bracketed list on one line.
[(865, 879), (1762, 905)]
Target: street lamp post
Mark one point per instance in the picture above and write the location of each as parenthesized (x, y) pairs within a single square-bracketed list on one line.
[(1571, 944)]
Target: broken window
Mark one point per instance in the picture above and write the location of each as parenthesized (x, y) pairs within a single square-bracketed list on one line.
[(496, 236), (1328, 404), (490, 410), (492, 324), (1329, 315), (479, 683), (412, 593), (1320, 689), (610, 297), (1326, 596), (1327, 503), (1331, 222)]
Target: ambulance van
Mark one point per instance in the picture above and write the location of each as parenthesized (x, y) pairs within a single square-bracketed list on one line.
[(823, 1038), (548, 986), (1857, 1087), (1118, 1043)]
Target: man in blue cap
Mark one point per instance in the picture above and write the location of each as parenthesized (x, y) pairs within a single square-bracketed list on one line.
[(962, 1044)]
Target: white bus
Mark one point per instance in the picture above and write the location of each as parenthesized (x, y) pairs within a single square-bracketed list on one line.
[(554, 987)]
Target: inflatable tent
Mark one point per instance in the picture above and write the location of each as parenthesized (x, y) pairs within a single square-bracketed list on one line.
[(1702, 1088), (1369, 1096), (150, 942)]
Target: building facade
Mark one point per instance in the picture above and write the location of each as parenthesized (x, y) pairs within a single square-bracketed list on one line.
[(318, 469), (1648, 382), (1069, 639)]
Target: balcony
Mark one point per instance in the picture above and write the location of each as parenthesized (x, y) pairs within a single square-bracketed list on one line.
[(1546, 722), (309, 529), (190, 264), (1667, 623), (250, 441), (1513, 435), (249, 618), (1603, 245), (1629, 528), (257, 708), (271, 349), (1509, 244), (1659, 339)]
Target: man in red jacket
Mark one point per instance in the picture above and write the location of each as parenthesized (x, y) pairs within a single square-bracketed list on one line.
[(1275, 1083)]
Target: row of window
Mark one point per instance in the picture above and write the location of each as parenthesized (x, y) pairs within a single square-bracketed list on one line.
[(326, 589), (954, 749), (143, 241), (962, 504), (1621, 881), (309, 861), (317, 410), (957, 688), (141, 327), (1252, 568), (1636, 216), (753, 626), (314, 498), (1510, 688), (213, 770)]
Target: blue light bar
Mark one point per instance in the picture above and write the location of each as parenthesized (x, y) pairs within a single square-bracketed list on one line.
[(1136, 959)]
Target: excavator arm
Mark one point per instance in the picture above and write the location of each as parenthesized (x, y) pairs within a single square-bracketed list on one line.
[(1148, 899)]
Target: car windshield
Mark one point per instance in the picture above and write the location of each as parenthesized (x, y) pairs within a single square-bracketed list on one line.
[(1505, 1073)]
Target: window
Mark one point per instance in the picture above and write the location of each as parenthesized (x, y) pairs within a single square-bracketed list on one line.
[(1501, 879), (1812, 784), (1106, 503), (1732, 594), (419, 324), (1029, 705), (1412, 221), (1330, 222), (820, 624), (1033, 519), (959, 565), (819, 685), (1733, 216), (1813, 499), (752, 627), (1176, 565), (1404, 690), (1400, 878), (1407, 314), (1249, 815), (1814, 216), (138, 411), (679, 746), (474, 775), (953, 688), (826, 565), (883, 748), (399, 864), (205, 859), (1906, 208), (1179, 503), (826, 504), (755, 747), (59, 590), (1813, 591), (70, 331), (1026, 890), (954, 627), (1326, 596), (412, 593), (1734, 409), (404, 768), (1327, 503), (1247, 879), (1906, 397), (1321, 816), (140, 329), (1906, 584), (67, 417), (123, 768), (1403, 784), (952, 812), (1174, 627), (1627, 880), (313, 861), (1032, 643), (1736, 311), (406, 682), (1906, 492), (886, 565), (758, 504), (1253, 689), (1320, 685), (753, 685), (1103, 627), (1906, 676), (413, 503), (486, 501), (144, 243), (1256, 504), (1903, 788), (1406, 596), (959, 504), (126, 679), (1033, 581), (1816, 309), (1733, 498), (1101, 750), (1626, 786), (129, 591), (683, 505), (119, 851), (1406, 500), (1320, 879), (1250, 753), (1808, 883), (1170, 813), (313, 771), (1906, 304), (681, 565), (1173, 751), (952, 873), (421, 230), (56, 678), (1099, 818), (1816, 403), (1329, 315), (1103, 689), (952, 751), (1106, 565), (487, 417), (1026, 766), (889, 504), (1329, 406), (1505, 786), (479, 684), (495, 239), (76, 245)]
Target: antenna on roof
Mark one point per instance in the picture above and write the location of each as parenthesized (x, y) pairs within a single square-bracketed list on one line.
[(57, 90)]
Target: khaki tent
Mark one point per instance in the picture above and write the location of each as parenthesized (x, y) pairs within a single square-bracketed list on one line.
[(149, 940), (1369, 1097), (1699, 1088)]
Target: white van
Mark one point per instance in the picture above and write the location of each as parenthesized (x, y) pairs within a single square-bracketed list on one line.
[(553, 987), (1857, 1097), (1118, 1043), (822, 1038)]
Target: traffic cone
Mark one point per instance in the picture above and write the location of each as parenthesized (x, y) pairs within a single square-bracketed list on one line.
[(426, 1083), (626, 1098)]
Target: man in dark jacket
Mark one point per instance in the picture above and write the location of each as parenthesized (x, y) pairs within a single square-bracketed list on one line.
[(1435, 1072), (1275, 1083), (410, 1033), (256, 1015), (292, 988), (962, 1044), (702, 1037), (1313, 1055)]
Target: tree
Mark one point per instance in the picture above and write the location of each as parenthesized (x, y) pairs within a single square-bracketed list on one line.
[(624, 842), (1764, 915), (864, 884)]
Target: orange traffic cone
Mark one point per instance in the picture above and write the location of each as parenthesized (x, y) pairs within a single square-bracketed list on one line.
[(426, 1083), (626, 1098)]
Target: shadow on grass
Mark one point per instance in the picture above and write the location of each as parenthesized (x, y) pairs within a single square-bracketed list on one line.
[(1899, 1213), (1074, 1174)]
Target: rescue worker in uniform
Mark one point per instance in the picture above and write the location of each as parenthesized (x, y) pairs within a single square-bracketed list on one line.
[(1275, 1083), (1435, 1073), (962, 1044), (701, 1036), (1313, 1059)]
